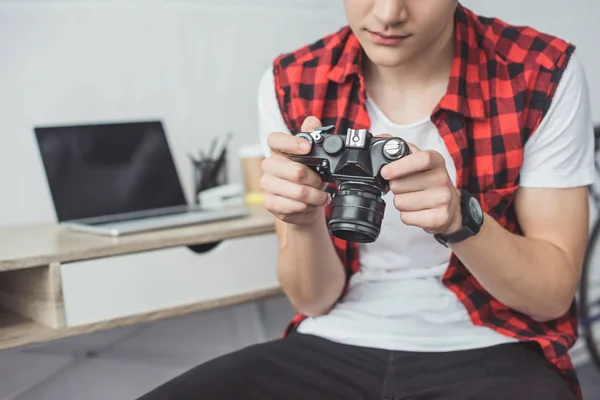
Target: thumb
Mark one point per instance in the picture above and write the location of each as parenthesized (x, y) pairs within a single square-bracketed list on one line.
[(310, 124)]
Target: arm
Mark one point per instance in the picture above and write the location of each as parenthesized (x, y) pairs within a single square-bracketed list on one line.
[(536, 273), (309, 269)]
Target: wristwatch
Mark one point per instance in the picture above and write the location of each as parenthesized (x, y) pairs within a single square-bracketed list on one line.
[(472, 219)]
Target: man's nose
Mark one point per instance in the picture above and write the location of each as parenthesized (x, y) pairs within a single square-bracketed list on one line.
[(390, 12)]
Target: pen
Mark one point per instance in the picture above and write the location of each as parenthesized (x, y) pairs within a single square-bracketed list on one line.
[(213, 145), (219, 163)]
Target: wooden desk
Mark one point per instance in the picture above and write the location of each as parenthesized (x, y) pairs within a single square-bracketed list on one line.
[(30, 285)]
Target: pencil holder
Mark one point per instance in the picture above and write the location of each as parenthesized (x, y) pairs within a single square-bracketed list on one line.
[(209, 173)]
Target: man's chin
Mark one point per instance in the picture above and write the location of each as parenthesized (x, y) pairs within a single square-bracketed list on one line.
[(386, 58)]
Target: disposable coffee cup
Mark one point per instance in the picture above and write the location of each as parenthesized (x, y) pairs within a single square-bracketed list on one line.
[(251, 158)]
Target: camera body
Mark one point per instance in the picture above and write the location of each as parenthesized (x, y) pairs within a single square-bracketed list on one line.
[(353, 162)]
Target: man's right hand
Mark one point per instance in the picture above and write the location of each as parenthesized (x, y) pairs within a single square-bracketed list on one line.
[(293, 192), (309, 268)]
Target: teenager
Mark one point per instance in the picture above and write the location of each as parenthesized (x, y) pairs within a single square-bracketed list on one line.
[(468, 291)]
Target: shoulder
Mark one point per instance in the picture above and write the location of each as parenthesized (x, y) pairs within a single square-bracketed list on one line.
[(574, 79), (302, 76), (520, 44), (266, 85), (518, 60), (324, 51), (560, 153)]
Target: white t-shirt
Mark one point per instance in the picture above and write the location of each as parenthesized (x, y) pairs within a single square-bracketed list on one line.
[(396, 300)]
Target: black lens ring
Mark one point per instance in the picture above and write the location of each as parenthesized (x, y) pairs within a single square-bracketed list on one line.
[(357, 212)]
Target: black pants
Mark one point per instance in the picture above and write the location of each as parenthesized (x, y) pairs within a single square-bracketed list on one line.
[(307, 367)]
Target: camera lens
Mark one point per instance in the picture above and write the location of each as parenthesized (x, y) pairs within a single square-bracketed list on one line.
[(357, 212)]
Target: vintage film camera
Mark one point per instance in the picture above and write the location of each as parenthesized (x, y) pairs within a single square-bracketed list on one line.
[(353, 162)]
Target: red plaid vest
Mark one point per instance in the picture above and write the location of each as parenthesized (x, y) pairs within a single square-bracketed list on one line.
[(502, 82)]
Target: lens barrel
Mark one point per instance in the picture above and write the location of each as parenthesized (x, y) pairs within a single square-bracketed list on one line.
[(357, 212)]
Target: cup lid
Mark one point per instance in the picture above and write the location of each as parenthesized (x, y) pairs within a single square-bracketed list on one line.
[(251, 151)]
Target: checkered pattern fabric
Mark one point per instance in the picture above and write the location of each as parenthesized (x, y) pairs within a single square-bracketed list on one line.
[(502, 82)]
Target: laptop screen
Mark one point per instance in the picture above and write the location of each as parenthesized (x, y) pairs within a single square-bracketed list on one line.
[(107, 169)]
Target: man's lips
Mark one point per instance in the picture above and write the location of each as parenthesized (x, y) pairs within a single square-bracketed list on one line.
[(386, 39)]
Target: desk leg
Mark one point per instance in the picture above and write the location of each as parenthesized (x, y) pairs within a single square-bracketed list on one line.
[(34, 293)]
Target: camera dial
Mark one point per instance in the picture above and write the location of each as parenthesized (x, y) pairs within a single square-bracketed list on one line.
[(353, 162)]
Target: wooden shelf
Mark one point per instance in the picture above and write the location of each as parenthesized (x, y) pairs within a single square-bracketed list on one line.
[(18, 331), (44, 244), (31, 286)]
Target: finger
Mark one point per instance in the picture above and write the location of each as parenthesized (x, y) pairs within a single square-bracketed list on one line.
[(413, 147), (412, 163), (420, 181), (430, 220), (283, 143), (423, 200), (291, 171), (302, 193), (385, 135), (280, 205), (310, 124)]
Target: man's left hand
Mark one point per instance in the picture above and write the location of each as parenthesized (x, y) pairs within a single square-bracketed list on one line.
[(423, 191)]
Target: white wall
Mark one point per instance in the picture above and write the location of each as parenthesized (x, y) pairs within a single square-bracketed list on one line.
[(194, 64)]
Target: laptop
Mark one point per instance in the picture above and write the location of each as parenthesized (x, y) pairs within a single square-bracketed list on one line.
[(118, 178)]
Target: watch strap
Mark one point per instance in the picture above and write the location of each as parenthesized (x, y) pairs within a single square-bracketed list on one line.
[(467, 230), (463, 233)]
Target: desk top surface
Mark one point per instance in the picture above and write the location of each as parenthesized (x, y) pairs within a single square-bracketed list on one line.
[(36, 245)]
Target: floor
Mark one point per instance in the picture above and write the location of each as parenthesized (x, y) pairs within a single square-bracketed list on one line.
[(124, 363), (590, 381)]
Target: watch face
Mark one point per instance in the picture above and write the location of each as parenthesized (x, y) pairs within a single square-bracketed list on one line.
[(475, 211)]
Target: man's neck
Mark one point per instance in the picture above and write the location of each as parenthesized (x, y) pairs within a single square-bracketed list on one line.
[(433, 63), (410, 91)]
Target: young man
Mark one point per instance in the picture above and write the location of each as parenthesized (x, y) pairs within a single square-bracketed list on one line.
[(468, 291)]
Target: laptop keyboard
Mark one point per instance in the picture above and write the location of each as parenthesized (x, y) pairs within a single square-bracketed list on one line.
[(172, 220), (112, 220)]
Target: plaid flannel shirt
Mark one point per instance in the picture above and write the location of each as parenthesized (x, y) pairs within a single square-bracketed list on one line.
[(502, 82)]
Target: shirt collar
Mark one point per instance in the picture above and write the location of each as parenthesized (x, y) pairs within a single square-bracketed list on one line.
[(464, 94)]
